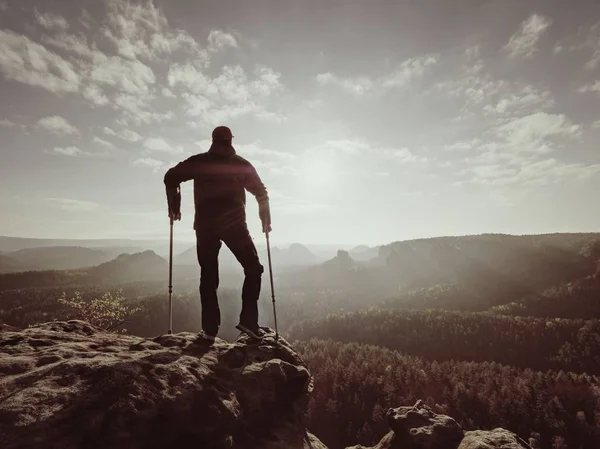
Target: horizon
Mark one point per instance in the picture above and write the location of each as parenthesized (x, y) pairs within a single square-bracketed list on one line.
[(372, 125)]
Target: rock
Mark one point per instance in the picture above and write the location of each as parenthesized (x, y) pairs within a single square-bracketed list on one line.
[(71, 385), (491, 439), (418, 427)]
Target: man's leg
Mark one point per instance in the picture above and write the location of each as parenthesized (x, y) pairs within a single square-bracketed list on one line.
[(208, 245), (238, 239)]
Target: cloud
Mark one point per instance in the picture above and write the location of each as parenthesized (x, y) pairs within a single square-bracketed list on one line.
[(357, 85), (409, 70), (533, 133), (131, 77), (406, 72), (531, 172), (58, 125), (149, 162), (294, 206), (586, 39), (523, 42), (7, 123), (74, 205), (159, 144), (51, 21), (30, 63), (480, 94), (94, 95), (219, 40), (231, 94), (140, 30), (595, 87), (125, 134), (73, 45), (70, 151), (103, 142)]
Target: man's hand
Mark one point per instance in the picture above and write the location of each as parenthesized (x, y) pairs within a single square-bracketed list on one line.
[(176, 217), (266, 227)]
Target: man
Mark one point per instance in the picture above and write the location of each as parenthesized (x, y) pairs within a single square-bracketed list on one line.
[(221, 178)]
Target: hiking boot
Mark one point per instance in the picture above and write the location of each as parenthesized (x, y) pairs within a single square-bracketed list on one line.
[(207, 336), (254, 332)]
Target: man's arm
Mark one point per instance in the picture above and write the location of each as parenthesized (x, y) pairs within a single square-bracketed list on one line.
[(255, 186), (184, 171)]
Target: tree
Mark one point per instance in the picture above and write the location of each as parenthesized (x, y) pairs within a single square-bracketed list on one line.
[(107, 312)]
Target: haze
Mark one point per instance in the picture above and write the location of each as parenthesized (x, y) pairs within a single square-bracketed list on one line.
[(369, 122)]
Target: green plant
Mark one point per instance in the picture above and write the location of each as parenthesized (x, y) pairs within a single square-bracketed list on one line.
[(107, 312)]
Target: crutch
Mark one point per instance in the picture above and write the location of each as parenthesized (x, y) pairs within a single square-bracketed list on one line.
[(272, 288), (171, 277)]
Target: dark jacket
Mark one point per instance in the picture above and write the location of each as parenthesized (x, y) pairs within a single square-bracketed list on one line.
[(221, 178)]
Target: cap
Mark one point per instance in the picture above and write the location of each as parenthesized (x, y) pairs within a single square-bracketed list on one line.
[(221, 133)]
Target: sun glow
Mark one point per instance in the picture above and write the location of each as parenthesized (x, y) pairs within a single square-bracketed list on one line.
[(319, 174)]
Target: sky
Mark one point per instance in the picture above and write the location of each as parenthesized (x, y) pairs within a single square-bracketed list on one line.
[(368, 121)]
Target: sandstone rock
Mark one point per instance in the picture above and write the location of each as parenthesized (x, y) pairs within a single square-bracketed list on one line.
[(418, 427), (491, 439), (70, 385)]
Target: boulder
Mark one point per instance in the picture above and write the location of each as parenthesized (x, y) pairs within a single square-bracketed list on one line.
[(492, 439), (418, 427), (71, 385)]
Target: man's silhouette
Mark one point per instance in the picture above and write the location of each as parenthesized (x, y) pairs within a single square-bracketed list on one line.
[(221, 178)]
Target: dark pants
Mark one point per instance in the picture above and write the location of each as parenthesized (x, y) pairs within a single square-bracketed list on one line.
[(208, 244)]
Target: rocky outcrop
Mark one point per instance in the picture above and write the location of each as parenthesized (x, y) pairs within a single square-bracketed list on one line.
[(418, 427), (486, 439), (70, 385)]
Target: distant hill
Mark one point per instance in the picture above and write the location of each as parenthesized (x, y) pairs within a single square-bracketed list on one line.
[(12, 244), (364, 253), (146, 265), (8, 264), (483, 270), (296, 255), (126, 268), (59, 258)]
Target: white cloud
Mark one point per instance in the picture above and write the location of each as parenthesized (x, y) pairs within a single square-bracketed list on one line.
[(69, 151), (7, 123), (229, 95), (357, 85), (58, 125), (408, 71), (517, 99), (73, 44), (30, 63), (149, 162), (523, 42), (595, 87), (129, 135), (94, 94), (103, 142), (140, 30), (159, 144), (258, 152), (51, 21), (219, 40), (533, 133), (109, 131), (168, 93), (596, 124), (131, 77), (74, 205), (586, 39), (531, 172)]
